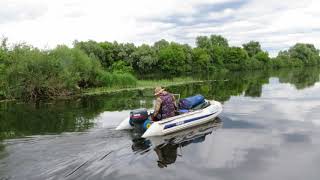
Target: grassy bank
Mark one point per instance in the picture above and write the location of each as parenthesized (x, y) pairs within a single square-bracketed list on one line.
[(138, 85), (141, 84)]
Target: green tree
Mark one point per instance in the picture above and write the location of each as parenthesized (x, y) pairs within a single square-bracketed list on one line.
[(108, 54), (96, 50), (307, 53), (262, 57), (216, 45), (217, 40), (217, 55), (208, 42), (3, 49), (203, 42), (284, 60), (235, 58), (121, 67), (33, 74), (187, 67), (144, 59), (160, 44), (201, 60), (172, 59), (123, 51), (252, 48), (3, 57)]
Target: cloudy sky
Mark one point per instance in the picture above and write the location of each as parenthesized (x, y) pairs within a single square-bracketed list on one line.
[(46, 23)]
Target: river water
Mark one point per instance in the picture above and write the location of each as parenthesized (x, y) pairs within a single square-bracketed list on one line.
[(269, 129)]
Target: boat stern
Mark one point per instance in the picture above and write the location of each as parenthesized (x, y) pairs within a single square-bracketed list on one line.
[(216, 106), (124, 125), (154, 130)]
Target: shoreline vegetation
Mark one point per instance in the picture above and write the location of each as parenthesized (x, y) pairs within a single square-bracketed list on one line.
[(31, 74), (142, 85)]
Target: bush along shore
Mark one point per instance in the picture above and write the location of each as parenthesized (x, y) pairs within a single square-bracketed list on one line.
[(30, 74)]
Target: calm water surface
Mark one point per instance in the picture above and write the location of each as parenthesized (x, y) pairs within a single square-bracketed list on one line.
[(269, 129)]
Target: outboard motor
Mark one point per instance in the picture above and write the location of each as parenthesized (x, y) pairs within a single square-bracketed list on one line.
[(138, 118)]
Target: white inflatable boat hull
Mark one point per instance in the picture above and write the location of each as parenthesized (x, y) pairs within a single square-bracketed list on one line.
[(179, 122), (124, 124)]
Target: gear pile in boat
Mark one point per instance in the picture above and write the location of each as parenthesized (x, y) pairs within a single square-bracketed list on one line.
[(191, 102)]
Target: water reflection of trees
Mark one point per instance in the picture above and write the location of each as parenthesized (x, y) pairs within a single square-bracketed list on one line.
[(248, 83), (226, 85), (20, 119), (1, 146), (166, 147), (28, 119), (300, 77)]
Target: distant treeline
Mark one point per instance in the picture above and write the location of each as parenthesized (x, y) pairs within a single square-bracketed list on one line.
[(211, 53), (29, 73)]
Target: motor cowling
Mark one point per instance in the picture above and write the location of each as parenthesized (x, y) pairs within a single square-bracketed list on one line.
[(138, 116)]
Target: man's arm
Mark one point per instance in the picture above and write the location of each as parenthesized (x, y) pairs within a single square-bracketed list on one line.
[(175, 102), (157, 107)]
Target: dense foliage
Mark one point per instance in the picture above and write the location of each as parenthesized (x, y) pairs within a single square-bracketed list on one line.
[(3, 56), (30, 73), (210, 54)]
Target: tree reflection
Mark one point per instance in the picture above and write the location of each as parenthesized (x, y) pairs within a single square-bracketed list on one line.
[(18, 120), (300, 77), (224, 85), (166, 147)]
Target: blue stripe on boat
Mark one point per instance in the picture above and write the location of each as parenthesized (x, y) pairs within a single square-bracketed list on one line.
[(186, 121)]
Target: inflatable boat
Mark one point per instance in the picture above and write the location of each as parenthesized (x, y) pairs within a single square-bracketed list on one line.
[(202, 113)]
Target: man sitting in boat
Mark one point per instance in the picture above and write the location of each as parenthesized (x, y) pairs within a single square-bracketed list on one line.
[(165, 105)]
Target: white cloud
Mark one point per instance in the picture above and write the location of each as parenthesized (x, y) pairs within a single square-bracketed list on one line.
[(276, 24), (218, 15), (19, 11)]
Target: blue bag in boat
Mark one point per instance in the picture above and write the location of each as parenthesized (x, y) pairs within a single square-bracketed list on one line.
[(191, 102)]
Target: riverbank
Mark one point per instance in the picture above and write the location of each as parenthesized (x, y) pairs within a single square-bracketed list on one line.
[(141, 85)]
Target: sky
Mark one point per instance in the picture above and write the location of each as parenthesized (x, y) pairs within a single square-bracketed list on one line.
[(277, 25)]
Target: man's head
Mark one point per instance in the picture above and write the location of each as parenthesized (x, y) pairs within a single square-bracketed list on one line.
[(158, 91)]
